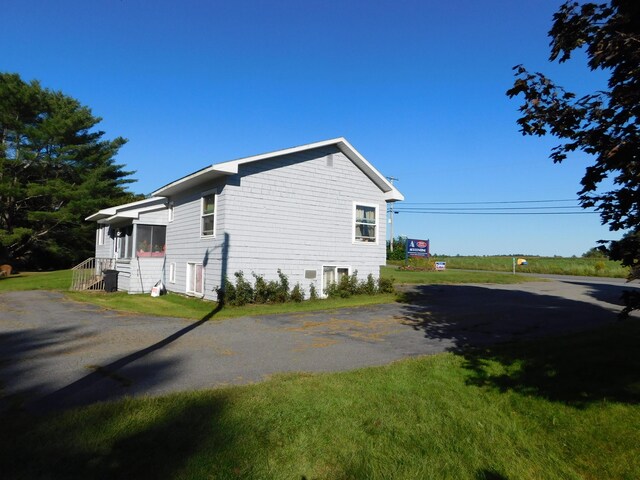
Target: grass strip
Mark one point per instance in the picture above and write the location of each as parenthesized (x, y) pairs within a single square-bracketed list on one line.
[(450, 277), (589, 267)]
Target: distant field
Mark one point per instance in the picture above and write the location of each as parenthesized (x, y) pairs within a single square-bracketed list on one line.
[(589, 267)]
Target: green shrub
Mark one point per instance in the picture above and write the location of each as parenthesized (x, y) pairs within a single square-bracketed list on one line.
[(244, 291), (297, 294), (282, 288), (368, 287), (422, 264), (261, 289), (227, 293), (332, 290), (385, 285), (349, 286), (313, 293)]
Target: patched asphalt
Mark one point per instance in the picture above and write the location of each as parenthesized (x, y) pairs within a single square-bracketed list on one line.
[(57, 353)]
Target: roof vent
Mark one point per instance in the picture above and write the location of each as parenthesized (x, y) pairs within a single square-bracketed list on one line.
[(330, 160)]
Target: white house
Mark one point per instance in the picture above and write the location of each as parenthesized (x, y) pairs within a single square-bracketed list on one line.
[(316, 212)]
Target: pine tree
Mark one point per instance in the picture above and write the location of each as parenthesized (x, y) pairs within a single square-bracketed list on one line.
[(55, 169)]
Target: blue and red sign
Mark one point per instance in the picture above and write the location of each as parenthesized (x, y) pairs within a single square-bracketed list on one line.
[(417, 248)]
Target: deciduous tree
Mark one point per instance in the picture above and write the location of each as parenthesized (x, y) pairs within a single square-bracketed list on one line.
[(602, 124)]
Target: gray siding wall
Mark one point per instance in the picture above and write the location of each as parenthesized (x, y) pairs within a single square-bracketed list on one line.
[(158, 217), (293, 212), (186, 245), (144, 273), (296, 213), (105, 250)]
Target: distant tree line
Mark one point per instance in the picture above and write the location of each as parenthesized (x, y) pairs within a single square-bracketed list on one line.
[(55, 169)]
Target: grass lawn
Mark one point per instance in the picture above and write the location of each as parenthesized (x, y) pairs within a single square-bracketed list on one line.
[(173, 305), (57, 280), (591, 267), (452, 277), (564, 408)]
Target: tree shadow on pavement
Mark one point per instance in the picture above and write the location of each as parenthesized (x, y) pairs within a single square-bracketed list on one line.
[(607, 293), (107, 382), (564, 350)]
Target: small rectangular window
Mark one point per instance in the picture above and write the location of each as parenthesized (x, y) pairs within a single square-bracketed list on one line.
[(310, 274), (208, 213), (172, 272), (101, 230), (365, 220), (332, 274), (195, 279)]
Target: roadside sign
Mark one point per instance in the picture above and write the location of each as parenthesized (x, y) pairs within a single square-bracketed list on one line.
[(417, 248)]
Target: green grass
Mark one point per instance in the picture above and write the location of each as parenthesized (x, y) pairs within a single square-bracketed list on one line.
[(173, 305), (595, 267), (452, 277), (57, 280), (565, 408)]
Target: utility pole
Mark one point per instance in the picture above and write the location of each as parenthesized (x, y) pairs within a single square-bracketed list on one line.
[(392, 213)]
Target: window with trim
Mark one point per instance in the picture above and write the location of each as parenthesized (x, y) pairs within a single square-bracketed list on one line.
[(208, 214), (332, 274), (101, 230), (151, 240), (365, 218), (195, 279), (172, 272)]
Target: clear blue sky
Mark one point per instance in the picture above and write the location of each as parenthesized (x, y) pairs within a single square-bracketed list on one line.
[(418, 87)]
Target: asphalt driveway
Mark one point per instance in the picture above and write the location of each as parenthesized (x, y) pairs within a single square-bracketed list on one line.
[(57, 353)]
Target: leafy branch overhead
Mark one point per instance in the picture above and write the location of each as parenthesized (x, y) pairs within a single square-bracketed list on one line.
[(55, 169), (602, 124)]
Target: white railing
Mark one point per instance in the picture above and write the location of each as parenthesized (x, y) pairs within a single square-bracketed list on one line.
[(88, 275)]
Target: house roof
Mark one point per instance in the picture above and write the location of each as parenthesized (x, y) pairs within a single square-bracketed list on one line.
[(231, 167), (127, 211)]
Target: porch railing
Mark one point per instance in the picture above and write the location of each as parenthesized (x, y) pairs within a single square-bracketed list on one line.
[(88, 275)]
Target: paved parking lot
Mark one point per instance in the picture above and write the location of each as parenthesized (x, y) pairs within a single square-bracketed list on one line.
[(56, 353)]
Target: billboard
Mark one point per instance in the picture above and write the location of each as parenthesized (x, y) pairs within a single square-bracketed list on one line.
[(417, 248)]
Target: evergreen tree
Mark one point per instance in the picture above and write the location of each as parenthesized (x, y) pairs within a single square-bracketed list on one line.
[(55, 169)]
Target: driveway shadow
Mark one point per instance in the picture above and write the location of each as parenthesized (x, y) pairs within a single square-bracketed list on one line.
[(24, 354), (99, 384), (588, 356)]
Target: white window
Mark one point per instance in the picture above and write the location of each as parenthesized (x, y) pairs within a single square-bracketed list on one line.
[(365, 222), (208, 214), (333, 274), (195, 279), (170, 214), (151, 240), (101, 235), (172, 272)]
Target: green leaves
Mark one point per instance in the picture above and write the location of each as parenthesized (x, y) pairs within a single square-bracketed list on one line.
[(55, 169), (604, 124)]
